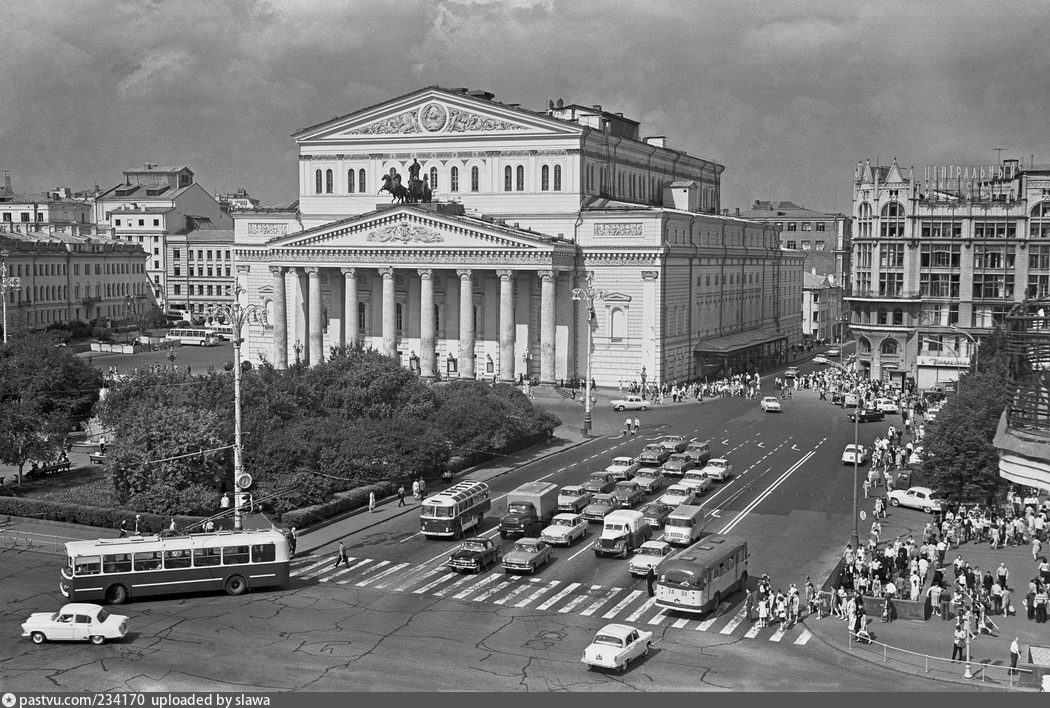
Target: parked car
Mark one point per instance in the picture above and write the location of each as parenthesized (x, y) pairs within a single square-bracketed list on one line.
[(886, 405), (678, 464), (628, 493), (699, 451), (931, 413), (616, 645), (866, 415), (623, 468), (833, 351), (654, 454), (820, 359), (630, 403), (770, 404), (678, 494), (599, 483), (859, 453), (697, 480), (650, 555), (674, 443), (527, 555), (600, 506), (474, 554), (573, 498), (917, 498), (75, 621), (564, 529), (718, 469), (791, 372), (655, 513)]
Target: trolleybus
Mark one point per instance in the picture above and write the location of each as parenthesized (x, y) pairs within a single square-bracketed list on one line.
[(697, 578), (455, 510), (193, 335), (119, 569)]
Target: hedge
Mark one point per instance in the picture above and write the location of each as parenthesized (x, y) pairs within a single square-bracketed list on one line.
[(100, 517), (343, 502)]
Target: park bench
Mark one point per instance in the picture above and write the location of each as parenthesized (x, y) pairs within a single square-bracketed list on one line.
[(97, 457), (48, 469)]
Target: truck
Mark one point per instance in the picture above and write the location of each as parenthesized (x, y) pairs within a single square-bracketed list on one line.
[(624, 530), (530, 509)]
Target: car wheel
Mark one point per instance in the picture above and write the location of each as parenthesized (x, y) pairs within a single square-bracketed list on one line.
[(644, 408), (895, 502), (927, 509), (97, 639), (235, 585), (38, 637), (619, 408), (117, 595), (622, 667)]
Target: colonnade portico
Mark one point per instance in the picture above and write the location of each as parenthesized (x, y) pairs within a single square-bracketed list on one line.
[(302, 315)]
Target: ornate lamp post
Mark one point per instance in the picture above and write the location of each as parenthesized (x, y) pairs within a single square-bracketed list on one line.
[(854, 538), (590, 294), (6, 284), (297, 347), (237, 316), (642, 376)]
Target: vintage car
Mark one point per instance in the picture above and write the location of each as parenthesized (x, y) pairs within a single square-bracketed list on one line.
[(886, 405), (600, 506), (653, 455), (573, 498), (674, 443), (697, 480), (564, 529), (770, 404), (623, 468), (820, 359), (630, 403), (599, 483), (628, 493), (855, 454), (833, 351), (866, 415), (76, 621), (791, 372), (917, 498), (655, 513), (616, 645), (699, 451), (678, 464), (652, 479), (718, 469), (527, 556), (475, 555), (650, 555), (678, 494)]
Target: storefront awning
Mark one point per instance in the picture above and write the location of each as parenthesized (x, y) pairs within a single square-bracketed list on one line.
[(734, 342)]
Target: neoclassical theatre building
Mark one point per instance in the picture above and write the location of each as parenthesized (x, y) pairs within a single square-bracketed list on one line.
[(525, 207)]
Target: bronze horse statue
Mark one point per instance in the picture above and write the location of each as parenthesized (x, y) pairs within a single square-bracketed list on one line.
[(398, 192)]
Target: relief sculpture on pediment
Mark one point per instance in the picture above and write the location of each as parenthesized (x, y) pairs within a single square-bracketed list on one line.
[(406, 233), (463, 121)]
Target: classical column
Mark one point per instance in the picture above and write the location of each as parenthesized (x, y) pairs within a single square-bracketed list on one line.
[(292, 282), (389, 313), (280, 319), (466, 324), (426, 323), (316, 355), (506, 325), (546, 326), (349, 306), (650, 306)]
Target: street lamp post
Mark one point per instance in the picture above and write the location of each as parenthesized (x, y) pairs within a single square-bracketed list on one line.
[(976, 347), (237, 316), (6, 284), (590, 294), (855, 536), (298, 348)]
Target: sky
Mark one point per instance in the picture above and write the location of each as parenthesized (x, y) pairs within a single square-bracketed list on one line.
[(788, 95)]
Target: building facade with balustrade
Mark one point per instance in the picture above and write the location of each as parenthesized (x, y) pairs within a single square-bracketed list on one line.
[(939, 258), (526, 207)]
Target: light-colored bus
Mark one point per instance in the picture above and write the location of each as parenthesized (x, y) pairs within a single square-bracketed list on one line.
[(118, 569), (193, 335), (221, 331), (455, 510), (684, 525), (697, 578)]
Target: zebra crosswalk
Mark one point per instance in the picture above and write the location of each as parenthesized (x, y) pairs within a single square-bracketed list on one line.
[(535, 592)]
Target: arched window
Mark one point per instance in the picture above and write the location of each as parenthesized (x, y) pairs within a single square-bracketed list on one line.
[(317, 181), (890, 346), (892, 222), (434, 178), (350, 181), (557, 178), (864, 345), (545, 178), (328, 181), (521, 178), (507, 178), (475, 178), (453, 179), (882, 316), (898, 316), (617, 324), (361, 180)]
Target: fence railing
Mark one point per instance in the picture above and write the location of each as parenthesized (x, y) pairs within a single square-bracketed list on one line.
[(11, 540)]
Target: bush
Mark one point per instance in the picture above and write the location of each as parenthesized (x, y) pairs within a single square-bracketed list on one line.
[(343, 502), (99, 517)]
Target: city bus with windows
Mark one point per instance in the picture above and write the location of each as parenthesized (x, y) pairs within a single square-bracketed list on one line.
[(221, 331), (119, 569), (457, 509), (697, 578), (193, 335)]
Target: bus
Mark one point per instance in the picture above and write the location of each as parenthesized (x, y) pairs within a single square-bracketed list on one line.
[(697, 578), (221, 331), (118, 569), (455, 510), (194, 335)]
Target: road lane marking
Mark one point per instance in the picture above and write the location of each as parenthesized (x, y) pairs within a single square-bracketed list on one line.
[(638, 613), (377, 576), (413, 577), (411, 572), (593, 607), (586, 547), (514, 593), (779, 634), (712, 618), (804, 637), (557, 596), (622, 604), (433, 584), (455, 586), (769, 490), (349, 567), (578, 600), (299, 572), (659, 617), (753, 632), (477, 586), (535, 596), (334, 575), (361, 563), (507, 582), (680, 623), (417, 533), (734, 623)]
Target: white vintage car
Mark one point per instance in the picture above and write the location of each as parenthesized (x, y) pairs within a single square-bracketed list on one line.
[(616, 645), (564, 529), (630, 403), (76, 621), (623, 468), (650, 555), (770, 404), (718, 469), (678, 494)]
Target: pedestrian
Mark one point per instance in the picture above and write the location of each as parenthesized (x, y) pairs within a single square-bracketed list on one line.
[(1015, 654), (171, 526), (1036, 546), (224, 502), (138, 518), (415, 489), (650, 578), (123, 528), (959, 642), (102, 445), (341, 556), (763, 613), (627, 427), (637, 427), (401, 495), (422, 489), (749, 603), (371, 502), (292, 540)]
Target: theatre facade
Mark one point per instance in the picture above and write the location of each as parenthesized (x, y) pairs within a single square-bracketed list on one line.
[(532, 218)]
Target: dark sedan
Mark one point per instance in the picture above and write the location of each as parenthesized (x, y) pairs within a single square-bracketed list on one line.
[(867, 415)]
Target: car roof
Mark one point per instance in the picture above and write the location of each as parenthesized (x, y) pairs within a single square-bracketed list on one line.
[(630, 460), (618, 630), (920, 489), (655, 544), (717, 459), (82, 607), (566, 515)]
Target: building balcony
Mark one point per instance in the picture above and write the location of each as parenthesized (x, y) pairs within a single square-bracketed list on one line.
[(881, 296), (90, 299)]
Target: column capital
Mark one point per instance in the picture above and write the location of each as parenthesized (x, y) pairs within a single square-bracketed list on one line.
[(313, 271), (292, 270), (425, 273), (505, 274), (277, 271), (650, 274), (352, 272), (545, 275), (243, 268), (465, 273), (387, 272)]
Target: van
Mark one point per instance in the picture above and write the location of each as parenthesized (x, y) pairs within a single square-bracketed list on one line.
[(684, 525), (623, 531)]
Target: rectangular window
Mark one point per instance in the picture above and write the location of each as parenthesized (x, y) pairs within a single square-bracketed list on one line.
[(209, 254), (200, 254), (819, 245), (227, 271), (147, 560), (156, 222), (116, 563), (227, 255), (264, 553), (189, 253), (209, 291), (87, 565), (7, 216), (821, 226), (208, 556), (806, 226), (142, 222), (939, 255), (176, 254), (792, 226), (792, 245), (209, 271), (891, 284), (178, 289), (235, 555), (177, 559)]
